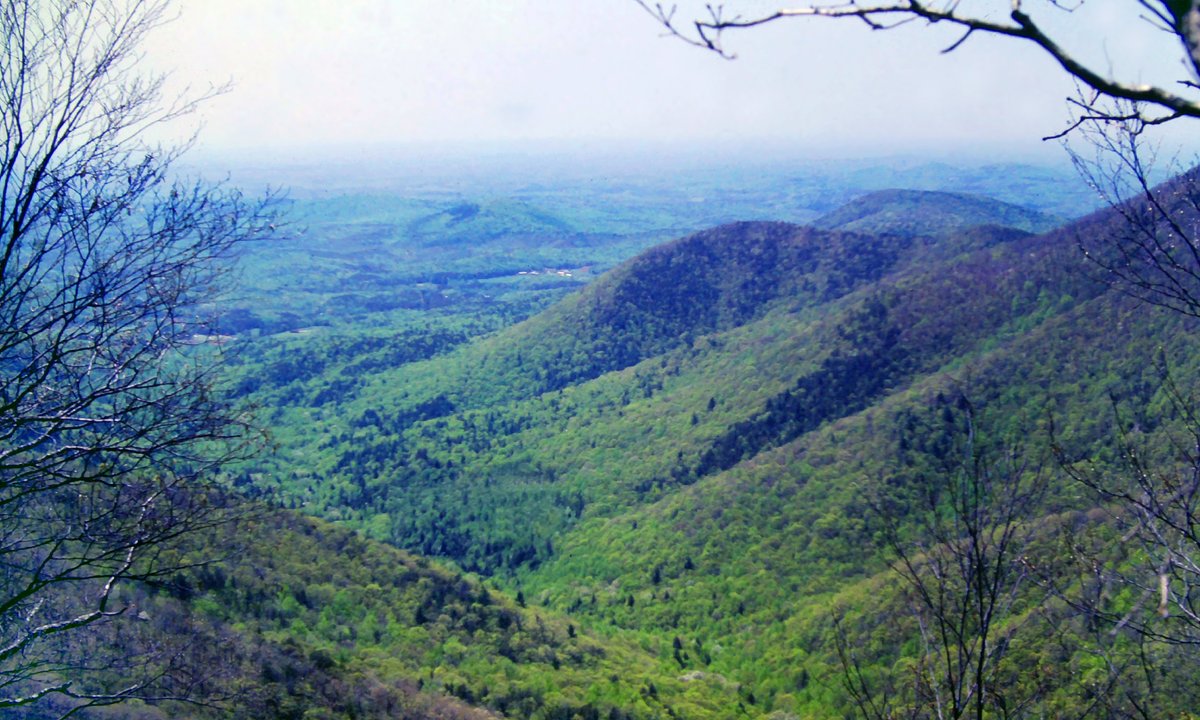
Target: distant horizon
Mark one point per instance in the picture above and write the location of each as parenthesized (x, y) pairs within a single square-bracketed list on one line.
[(634, 172), (754, 149), (573, 160), (596, 83)]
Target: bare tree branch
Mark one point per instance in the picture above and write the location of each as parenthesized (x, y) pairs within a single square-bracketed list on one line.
[(111, 433), (1178, 18), (959, 552)]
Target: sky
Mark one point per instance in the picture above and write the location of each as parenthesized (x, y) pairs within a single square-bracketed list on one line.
[(313, 74)]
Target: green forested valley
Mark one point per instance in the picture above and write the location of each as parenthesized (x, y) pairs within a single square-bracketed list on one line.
[(477, 360), (533, 457)]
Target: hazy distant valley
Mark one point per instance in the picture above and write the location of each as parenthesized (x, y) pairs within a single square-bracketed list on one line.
[(451, 240)]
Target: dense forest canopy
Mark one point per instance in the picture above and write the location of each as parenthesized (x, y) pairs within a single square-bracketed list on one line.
[(843, 440)]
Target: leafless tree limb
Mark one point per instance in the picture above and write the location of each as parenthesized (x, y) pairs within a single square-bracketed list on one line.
[(1154, 253), (960, 556), (1180, 19), (111, 434)]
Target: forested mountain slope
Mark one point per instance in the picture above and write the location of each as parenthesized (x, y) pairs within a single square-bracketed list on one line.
[(303, 619), (686, 451), (793, 328), (709, 282)]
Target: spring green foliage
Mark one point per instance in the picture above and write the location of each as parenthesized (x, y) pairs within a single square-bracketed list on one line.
[(486, 455), (313, 615), (671, 472)]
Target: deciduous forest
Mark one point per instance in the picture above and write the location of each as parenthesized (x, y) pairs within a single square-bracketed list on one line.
[(822, 439)]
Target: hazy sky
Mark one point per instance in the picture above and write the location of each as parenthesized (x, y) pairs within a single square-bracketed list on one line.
[(419, 72)]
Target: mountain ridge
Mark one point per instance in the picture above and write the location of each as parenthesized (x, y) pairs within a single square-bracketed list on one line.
[(684, 451), (931, 212)]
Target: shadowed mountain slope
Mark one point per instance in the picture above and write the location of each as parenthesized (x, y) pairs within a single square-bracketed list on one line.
[(708, 282)]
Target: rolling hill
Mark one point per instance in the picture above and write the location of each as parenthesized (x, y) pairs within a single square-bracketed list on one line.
[(929, 212)]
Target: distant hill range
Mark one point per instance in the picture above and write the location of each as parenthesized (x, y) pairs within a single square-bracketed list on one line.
[(926, 212)]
